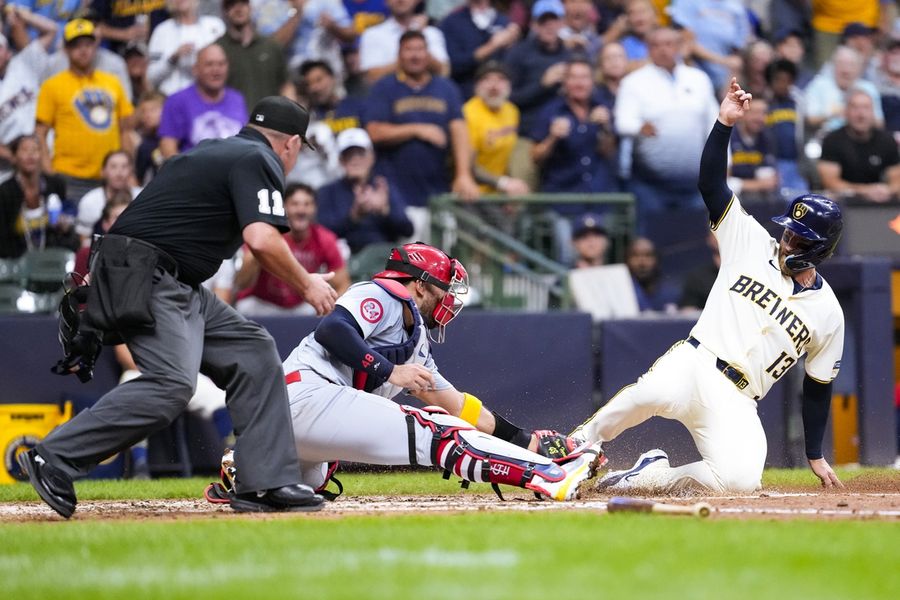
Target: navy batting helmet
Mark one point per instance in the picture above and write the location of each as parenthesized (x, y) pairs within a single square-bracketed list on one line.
[(816, 219)]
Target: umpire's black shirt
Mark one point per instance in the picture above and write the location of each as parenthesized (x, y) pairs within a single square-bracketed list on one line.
[(199, 203)]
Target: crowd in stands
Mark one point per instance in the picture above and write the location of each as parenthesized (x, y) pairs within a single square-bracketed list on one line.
[(413, 98)]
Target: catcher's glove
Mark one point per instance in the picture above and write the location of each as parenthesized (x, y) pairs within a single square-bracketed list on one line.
[(555, 445)]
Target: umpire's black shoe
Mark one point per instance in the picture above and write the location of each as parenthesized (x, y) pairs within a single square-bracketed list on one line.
[(52, 485), (288, 498)]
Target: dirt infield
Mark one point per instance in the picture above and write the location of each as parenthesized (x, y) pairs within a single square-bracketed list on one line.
[(863, 498)]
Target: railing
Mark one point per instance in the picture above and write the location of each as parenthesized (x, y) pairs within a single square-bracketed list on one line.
[(514, 263)]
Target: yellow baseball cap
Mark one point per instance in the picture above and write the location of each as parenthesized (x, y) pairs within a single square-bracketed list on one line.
[(77, 28)]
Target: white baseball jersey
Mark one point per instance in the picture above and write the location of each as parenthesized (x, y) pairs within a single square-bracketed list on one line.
[(380, 317), (756, 320)]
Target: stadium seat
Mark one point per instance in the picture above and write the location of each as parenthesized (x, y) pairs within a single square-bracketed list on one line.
[(10, 298), (368, 261), (10, 270), (43, 271)]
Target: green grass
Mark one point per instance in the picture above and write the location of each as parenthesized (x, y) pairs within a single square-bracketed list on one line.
[(481, 555), (403, 483), (564, 555)]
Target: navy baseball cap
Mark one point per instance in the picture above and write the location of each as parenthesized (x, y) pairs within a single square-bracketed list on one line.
[(588, 223), (856, 28), (281, 114)]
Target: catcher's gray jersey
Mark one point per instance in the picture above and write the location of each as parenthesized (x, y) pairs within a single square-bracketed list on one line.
[(380, 317)]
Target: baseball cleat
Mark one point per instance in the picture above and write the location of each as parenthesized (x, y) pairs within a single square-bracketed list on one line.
[(579, 466), (287, 498), (52, 485), (619, 480), (215, 493)]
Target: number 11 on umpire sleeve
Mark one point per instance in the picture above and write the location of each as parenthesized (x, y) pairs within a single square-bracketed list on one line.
[(270, 204)]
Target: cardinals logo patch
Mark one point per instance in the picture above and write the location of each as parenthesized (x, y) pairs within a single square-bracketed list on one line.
[(371, 310)]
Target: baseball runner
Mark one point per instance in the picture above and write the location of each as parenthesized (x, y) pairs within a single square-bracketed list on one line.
[(375, 345), (767, 309), (145, 290)]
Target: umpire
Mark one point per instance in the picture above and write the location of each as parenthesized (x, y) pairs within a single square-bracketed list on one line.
[(145, 288)]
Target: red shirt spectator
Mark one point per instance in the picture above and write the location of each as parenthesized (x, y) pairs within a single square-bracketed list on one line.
[(314, 247)]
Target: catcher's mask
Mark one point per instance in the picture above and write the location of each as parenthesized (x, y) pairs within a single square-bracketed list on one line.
[(431, 265), (813, 224)]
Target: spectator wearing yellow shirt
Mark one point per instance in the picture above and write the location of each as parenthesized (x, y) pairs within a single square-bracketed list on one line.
[(493, 123), (88, 112)]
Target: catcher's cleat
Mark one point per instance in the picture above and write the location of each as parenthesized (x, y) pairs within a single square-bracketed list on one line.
[(631, 478), (579, 466), (52, 485), (215, 493), (555, 445)]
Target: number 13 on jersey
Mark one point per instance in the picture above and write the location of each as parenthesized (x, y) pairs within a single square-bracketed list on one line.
[(270, 203), (781, 365)]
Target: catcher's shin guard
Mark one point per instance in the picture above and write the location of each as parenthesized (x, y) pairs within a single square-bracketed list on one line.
[(474, 456)]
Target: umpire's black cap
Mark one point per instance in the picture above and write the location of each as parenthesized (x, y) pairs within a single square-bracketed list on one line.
[(281, 114)]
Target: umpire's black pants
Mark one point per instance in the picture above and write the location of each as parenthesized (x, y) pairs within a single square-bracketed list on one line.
[(195, 331)]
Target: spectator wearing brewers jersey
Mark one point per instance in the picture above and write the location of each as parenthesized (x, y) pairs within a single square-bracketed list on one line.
[(120, 23), (327, 103), (379, 45), (785, 122), (88, 111), (205, 110), (362, 207), (753, 170), (20, 80), (860, 158), (415, 118), (476, 33), (312, 245)]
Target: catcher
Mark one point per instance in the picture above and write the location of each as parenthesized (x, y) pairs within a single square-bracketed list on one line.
[(341, 378)]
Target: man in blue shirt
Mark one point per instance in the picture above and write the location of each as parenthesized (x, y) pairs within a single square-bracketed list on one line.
[(575, 146), (414, 118), (362, 207), (476, 33)]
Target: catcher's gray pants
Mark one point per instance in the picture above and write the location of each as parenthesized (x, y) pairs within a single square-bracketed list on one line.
[(335, 422), (195, 331)]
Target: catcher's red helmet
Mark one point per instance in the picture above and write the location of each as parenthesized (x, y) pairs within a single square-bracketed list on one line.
[(431, 265)]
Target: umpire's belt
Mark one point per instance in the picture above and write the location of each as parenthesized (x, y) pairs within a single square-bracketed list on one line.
[(734, 375), (163, 260)]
